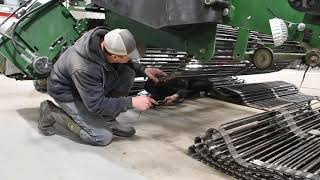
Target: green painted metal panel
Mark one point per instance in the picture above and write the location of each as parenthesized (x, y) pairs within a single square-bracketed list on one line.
[(49, 30), (241, 44), (46, 32), (313, 25), (199, 41), (315, 39), (255, 14)]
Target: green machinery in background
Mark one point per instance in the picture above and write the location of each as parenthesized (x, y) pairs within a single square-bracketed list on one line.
[(44, 30), (35, 41)]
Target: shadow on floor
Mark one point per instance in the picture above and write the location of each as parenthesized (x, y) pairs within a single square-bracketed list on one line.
[(31, 115)]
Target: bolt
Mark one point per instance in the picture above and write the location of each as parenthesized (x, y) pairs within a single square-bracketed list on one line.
[(314, 58), (301, 27), (51, 48), (225, 12), (202, 50)]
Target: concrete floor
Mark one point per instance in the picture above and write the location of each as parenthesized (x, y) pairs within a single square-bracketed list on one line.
[(158, 151)]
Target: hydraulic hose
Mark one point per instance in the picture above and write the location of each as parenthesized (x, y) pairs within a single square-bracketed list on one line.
[(14, 12)]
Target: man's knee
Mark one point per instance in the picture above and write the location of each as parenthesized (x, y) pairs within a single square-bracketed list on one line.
[(82, 120), (99, 137)]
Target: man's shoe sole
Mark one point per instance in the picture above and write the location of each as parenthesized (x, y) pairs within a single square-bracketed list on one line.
[(116, 132), (48, 129)]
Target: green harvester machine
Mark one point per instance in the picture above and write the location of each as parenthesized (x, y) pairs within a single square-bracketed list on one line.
[(45, 29)]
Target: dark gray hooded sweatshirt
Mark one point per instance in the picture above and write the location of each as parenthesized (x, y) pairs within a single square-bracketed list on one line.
[(81, 73)]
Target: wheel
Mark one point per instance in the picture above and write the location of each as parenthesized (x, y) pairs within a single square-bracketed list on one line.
[(263, 58), (312, 58)]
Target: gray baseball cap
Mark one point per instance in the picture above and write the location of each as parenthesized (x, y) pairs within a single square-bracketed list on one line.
[(121, 42)]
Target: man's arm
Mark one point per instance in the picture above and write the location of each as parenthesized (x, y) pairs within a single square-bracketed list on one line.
[(142, 71), (183, 93), (92, 94), (138, 68)]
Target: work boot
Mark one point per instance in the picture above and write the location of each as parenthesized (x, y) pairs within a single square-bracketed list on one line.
[(51, 114), (46, 120), (121, 130)]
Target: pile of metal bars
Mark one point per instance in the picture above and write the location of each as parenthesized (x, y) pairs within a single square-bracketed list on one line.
[(267, 95), (226, 81), (279, 144)]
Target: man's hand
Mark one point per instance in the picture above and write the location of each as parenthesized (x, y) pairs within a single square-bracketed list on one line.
[(143, 103), (153, 73), (171, 99)]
